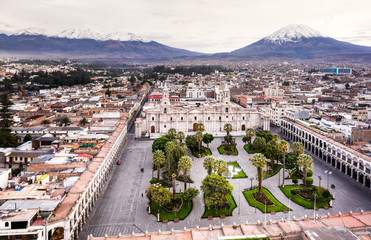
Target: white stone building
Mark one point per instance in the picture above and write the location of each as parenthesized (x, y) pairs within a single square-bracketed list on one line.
[(157, 119)]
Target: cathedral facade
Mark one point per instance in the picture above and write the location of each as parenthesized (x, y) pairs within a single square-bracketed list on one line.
[(158, 118)]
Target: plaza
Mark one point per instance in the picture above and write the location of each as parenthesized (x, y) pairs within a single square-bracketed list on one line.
[(122, 206)]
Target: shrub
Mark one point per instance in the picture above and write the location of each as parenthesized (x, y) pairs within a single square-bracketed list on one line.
[(309, 181), (309, 173), (333, 186), (153, 181), (295, 181), (293, 191), (326, 194)]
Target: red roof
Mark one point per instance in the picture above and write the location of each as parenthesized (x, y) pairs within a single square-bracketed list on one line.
[(84, 155)]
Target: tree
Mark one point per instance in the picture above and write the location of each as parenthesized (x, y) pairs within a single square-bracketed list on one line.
[(259, 161), (45, 121), (297, 148), (220, 167), (305, 162), (184, 165), (265, 134), (228, 129), (259, 143), (291, 161), (208, 138), (180, 136), (191, 142), (275, 137), (190, 194), (234, 145), (159, 143), (83, 122), (200, 127), (171, 133), (108, 92), (173, 177), (27, 138), (216, 189), (7, 139), (250, 132), (284, 147), (160, 195), (65, 121), (132, 79), (199, 136), (209, 164), (272, 151), (173, 153), (158, 159)]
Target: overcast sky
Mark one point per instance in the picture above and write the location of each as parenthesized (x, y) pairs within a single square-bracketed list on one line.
[(198, 25)]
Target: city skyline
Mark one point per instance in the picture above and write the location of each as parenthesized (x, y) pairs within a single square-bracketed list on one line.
[(202, 26)]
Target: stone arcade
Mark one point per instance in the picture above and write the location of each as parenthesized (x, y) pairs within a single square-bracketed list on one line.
[(157, 119)]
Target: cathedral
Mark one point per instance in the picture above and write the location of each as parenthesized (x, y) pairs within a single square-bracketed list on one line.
[(157, 118)]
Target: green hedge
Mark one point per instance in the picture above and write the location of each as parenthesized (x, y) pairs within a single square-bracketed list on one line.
[(210, 211), (278, 207), (248, 150), (224, 152), (204, 152), (183, 212), (321, 202)]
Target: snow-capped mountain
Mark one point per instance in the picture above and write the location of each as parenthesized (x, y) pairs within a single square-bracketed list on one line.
[(85, 33), (31, 31), (299, 41), (292, 33)]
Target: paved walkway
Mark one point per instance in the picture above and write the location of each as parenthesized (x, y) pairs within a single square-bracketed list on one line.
[(122, 209)]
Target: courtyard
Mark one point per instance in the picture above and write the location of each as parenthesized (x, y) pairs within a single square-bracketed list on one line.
[(122, 208)]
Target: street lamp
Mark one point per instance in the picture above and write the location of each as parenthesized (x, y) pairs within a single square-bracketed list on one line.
[(251, 179), (328, 178)]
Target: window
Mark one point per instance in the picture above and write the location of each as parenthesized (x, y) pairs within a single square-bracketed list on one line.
[(226, 109), (153, 118), (165, 110), (171, 118), (6, 224), (243, 118), (208, 118), (164, 126), (195, 118), (181, 118), (220, 118)]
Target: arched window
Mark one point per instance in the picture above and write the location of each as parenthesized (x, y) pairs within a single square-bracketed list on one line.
[(6, 224), (165, 110), (226, 109)]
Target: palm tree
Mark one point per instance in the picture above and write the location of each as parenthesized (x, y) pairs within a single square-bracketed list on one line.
[(259, 161), (172, 133), (180, 136), (297, 148), (83, 122), (228, 129), (250, 132), (65, 121), (234, 145), (184, 165), (275, 137), (305, 161), (209, 164), (200, 127), (199, 136), (220, 166), (158, 159), (284, 147), (173, 177)]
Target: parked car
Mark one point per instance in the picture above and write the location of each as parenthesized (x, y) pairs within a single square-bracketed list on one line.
[(287, 139), (118, 162)]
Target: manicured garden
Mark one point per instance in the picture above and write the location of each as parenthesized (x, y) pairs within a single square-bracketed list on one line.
[(258, 200), (223, 149), (169, 214), (210, 211), (203, 152), (241, 174), (304, 197), (271, 172), (249, 150)]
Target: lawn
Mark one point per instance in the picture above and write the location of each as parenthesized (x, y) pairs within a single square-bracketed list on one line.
[(204, 152), (321, 202), (226, 212), (183, 212), (248, 150), (272, 172), (275, 207), (241, 174), (295, 174), (222, 150)]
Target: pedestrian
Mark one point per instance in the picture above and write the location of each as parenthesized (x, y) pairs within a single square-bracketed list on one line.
[(142, 194)]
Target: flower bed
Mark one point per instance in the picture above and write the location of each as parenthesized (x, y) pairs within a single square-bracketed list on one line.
[(221, 150), (184, 209), (210, 211), (258, 200)]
